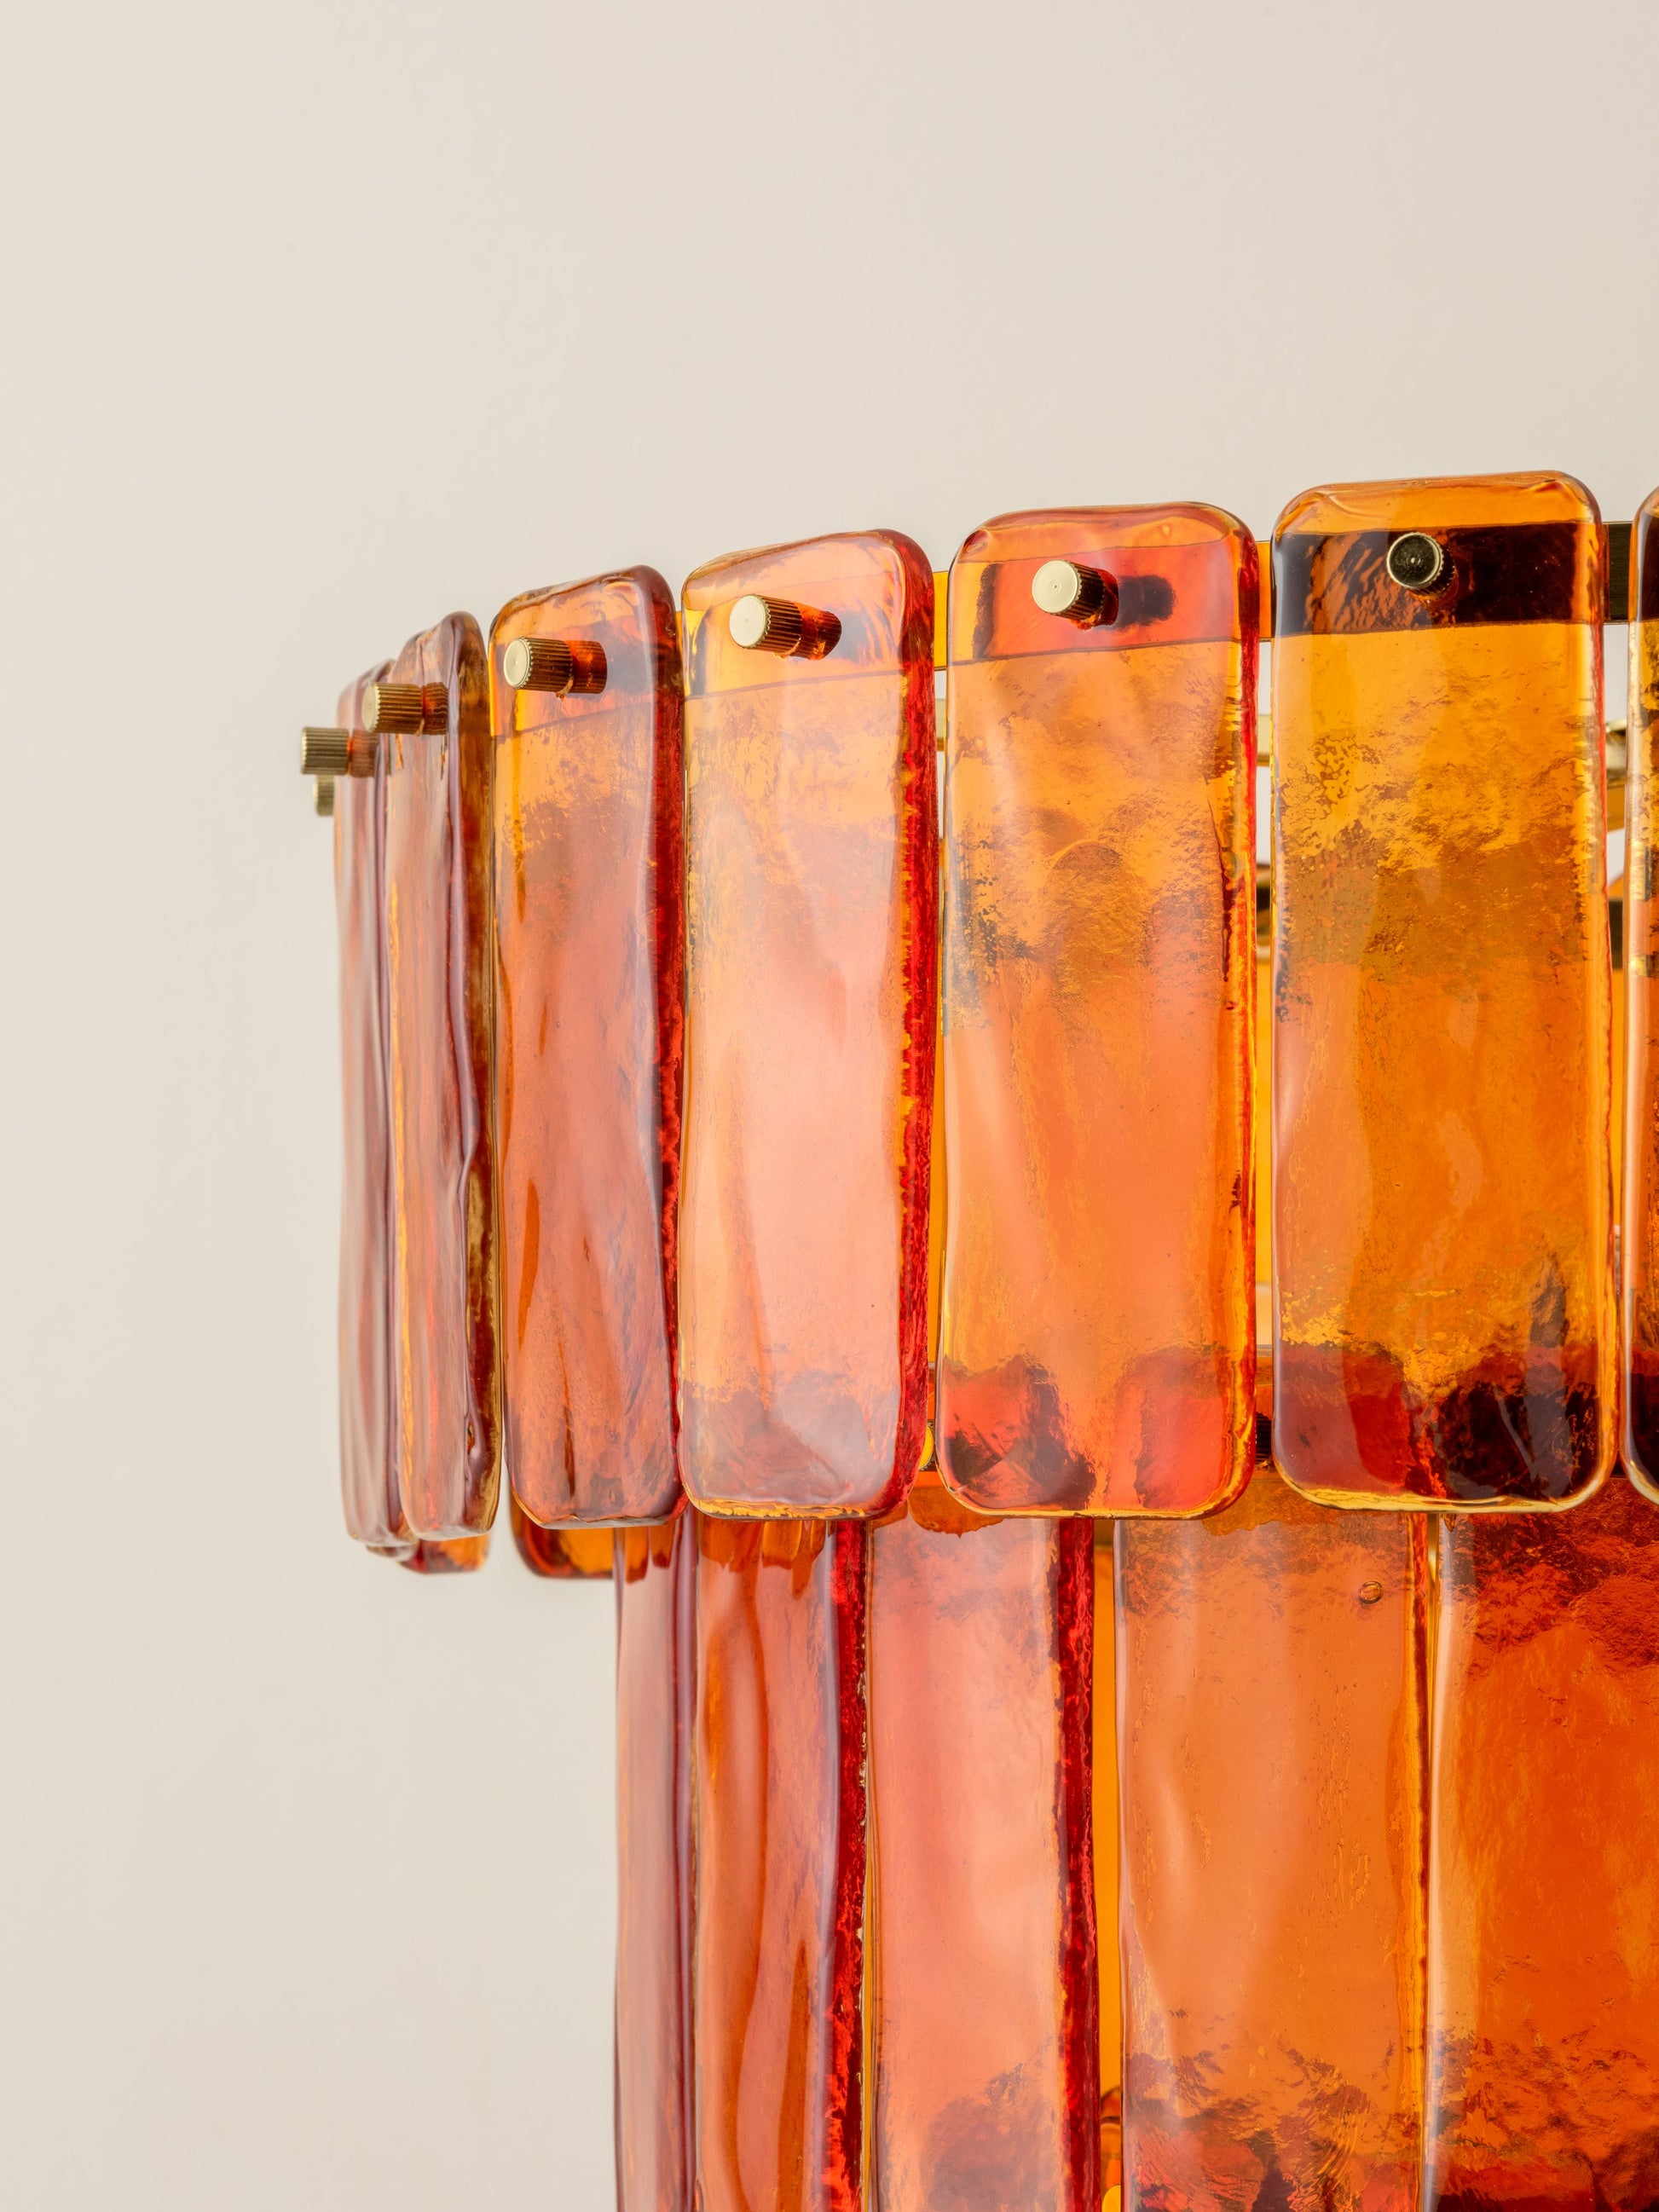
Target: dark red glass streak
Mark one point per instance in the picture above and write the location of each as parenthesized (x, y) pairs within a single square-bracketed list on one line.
[(985, 2050), (656, 1707), (1640, 1246), (778, 2021)]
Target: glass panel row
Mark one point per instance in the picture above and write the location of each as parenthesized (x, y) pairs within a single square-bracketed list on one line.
[(643, 927), (1276, 1859)]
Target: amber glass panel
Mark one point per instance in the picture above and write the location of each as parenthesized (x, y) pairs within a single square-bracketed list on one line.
[(1444, 1325), (780, 1849), (561, 1554), (812, 893), (373, 1506), (1098, 1347), (1641, 1244), (986, 2055), (445, 1389), (589, 947), (1271, 1702), (1544, 1930), (656, 1656), (460, 1555)]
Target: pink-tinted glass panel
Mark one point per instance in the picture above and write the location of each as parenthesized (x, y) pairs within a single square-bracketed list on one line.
[(986, 2059), (656, 1660), (374, 1504), (812, 898), (777, 2028), (589, 937), (445, 1386), (1099, 1346)]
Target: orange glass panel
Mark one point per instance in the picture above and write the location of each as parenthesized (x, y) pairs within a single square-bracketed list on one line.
[(1640, 1229), (780, 1847), (986, 2088), (1544, 1928), (1272, 1706), (811, 892), (461, 1555), (1105, 1833), (445, 1388), (1098, 1347), (561, 1554), (374, 1504), (1444, 1325), (656, 1656), (589, 944)]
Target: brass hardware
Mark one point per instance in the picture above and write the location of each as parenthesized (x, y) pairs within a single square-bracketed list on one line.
[(1087, 597), (337, 752), (553, 663), (1617, 745), (782, 627), (325, 752), (406, 709), (325, 794), (1416, 564)]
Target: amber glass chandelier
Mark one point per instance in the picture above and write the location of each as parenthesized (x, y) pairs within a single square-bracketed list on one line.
[(1096, 1368)]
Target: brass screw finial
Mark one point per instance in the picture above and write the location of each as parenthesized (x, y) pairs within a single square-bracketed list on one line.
[(337, 752), (1417, 562), (325, 794), (783, 627), (1087, 597), (553, 663), (325, 752), (407, 709)]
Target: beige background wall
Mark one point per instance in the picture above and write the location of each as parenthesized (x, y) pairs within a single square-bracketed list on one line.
[(325, 318)]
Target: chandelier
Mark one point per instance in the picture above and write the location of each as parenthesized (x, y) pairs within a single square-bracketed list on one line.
[(1097, 1366)]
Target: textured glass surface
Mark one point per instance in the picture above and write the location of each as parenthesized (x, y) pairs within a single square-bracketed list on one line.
[(564, 1554), (985, 2040), (1641, 1219), (812, 893), (445, 1387), (1444, 1324), (656, 1658), (1544, 1927), (1272, 1699), (1099, 1346), (589, 943), (373, 1503), (778, 2027)]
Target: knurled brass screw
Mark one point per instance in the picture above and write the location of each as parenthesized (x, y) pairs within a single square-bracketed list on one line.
[(760, 624), (553, 663), (337, 752), (406, 709), (1087, 597)]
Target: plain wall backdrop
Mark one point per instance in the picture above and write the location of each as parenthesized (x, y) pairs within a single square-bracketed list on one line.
[(321, 321)]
